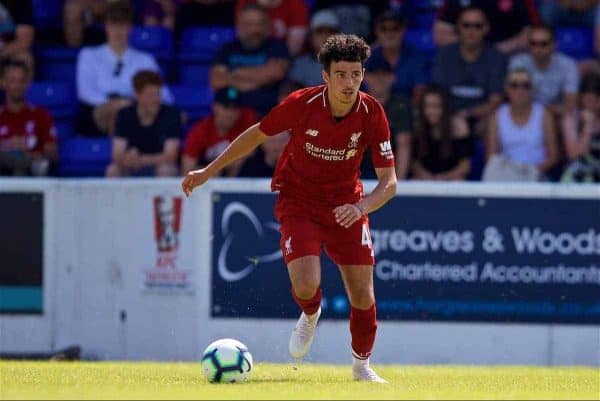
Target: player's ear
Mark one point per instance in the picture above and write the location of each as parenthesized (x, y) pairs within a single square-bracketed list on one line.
[(325, 76)]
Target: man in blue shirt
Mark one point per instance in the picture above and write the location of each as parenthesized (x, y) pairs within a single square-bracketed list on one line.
[(254, 64), (409, 64)]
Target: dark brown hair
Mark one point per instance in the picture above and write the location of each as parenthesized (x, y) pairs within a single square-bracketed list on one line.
[(543, 27), (342, 47), (119, 12), (145, 78), (424, 129)]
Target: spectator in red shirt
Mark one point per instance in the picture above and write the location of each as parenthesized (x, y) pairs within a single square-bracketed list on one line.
[(209, 137), (509, 20), (289, 20), (27, 133)]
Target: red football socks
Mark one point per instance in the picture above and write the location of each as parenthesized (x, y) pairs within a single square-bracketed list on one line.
[(309, 306), (363, 326)]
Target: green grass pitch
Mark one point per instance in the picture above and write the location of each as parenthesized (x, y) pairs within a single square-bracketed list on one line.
[(142, 380)]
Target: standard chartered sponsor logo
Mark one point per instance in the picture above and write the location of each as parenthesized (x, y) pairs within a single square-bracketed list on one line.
[(422, 241), (390, 270), (327, 154), (223, 268), (527, 240)]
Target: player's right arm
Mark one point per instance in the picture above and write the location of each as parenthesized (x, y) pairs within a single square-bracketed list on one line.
[(240, 147)]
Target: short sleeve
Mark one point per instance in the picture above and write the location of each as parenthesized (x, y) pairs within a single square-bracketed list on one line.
[(281, 117), (122, 126), (194, 145), (379, 139), (571, 77)]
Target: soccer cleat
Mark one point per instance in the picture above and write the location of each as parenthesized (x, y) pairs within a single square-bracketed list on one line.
[(363, 372), (303, 334)]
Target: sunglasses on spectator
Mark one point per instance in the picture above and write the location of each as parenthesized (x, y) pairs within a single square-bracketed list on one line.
[(539, 43), (472, 25), (519, 85)]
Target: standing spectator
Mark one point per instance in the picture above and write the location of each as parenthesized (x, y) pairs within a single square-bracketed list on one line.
[(210, 136), (581, 134), (379, 78), (306, 70), (471, 71), (27, 133), (521, 142), (17, 31), (509, 21), (568, 12), (289, 20), (80, 18), (555, 75), (204, 13), (442, 147), (254, 64), (146, 140), (262, 163), (105, 73), (408, 63)]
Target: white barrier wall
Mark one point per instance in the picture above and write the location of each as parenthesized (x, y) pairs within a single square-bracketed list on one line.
[(121, 291)]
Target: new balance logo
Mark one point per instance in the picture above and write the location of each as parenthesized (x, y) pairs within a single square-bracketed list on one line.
[(385, 146), (312, 132)]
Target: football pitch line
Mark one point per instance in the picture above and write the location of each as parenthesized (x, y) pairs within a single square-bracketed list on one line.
[(156, 380)]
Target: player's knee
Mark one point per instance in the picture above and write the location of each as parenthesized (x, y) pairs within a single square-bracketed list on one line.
[(362, 298), (305, 289)]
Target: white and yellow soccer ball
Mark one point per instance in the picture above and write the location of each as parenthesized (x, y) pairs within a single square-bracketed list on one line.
[(227, 361)]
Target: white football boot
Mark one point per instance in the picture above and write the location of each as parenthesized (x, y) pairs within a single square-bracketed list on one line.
[(363, 372), (303, 334)]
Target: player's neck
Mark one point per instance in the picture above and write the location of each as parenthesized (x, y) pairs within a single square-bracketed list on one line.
[(339, 109)]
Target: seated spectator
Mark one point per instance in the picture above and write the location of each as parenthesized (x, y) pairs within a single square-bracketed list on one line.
[(210, 136), (157, 12), (408, 63), (27, 133), (146, 140), (306, 69), (442, 147), (521, 143), (555, 75), (203, 13), (81, 19), (568, 12), (581, 134), (356, 16), (254, 64), (17, 31), (289, 20), (379, 78), (105, 73), (509, 21), (262, 163), (471, 71)]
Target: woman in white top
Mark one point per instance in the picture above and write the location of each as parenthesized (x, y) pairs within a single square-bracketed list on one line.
[(521, 142)]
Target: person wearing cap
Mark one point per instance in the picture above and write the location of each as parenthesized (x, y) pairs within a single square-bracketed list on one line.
[(380, 78), (146, 139), (408, 63), (306, 69), (210, 136)]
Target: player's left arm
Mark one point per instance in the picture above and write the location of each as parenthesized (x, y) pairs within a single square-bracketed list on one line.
[(348, 214)]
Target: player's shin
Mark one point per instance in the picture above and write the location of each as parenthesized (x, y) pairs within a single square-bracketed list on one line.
[(309, 306), (363, 328)]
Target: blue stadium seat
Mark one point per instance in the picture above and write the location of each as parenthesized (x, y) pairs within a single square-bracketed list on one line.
[(84, 157), (193, 74), (58, 97), (195, 102), (152, 39), (56, 63), (199, 44), (577, 42), (64, 129), (422, 39)]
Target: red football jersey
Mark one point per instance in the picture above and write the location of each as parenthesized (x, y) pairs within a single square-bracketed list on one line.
[(321, 162), (204, 144), (31, 122)]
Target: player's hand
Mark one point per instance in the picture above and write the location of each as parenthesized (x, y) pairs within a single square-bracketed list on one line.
[(194, 179), (347, 214)]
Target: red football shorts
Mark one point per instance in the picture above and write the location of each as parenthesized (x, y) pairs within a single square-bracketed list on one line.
[(307, 230)]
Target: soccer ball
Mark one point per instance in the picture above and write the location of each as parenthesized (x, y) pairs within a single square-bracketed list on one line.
[(226, 361)]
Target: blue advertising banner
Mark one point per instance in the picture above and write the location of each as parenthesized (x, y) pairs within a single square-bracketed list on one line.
[(437, 258)]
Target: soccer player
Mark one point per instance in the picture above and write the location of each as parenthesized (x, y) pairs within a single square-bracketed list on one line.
[(321, 203)]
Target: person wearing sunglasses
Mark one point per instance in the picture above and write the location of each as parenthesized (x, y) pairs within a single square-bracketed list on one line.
[(555, 75), (521, 141)]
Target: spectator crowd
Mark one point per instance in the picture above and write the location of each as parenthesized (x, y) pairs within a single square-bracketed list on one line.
[(492, 90)]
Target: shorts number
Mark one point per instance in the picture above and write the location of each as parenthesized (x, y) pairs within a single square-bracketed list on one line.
[(366, 236)]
